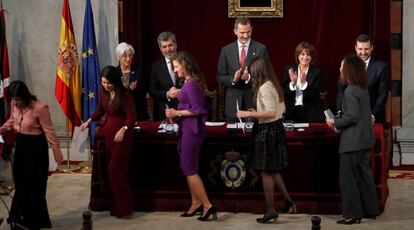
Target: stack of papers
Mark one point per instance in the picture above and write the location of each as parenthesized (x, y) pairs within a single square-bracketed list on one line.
[(299, 125), (162, 128), (210, 123), (236, 126)]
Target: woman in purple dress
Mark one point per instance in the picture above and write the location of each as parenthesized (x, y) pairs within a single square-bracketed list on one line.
[(191, 113)]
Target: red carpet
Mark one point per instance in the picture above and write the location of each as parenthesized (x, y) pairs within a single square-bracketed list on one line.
[(400, 174)]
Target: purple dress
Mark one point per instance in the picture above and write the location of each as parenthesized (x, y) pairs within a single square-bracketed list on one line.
[(192, 129)]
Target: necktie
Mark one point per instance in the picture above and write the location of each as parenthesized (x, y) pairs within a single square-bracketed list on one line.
[(171, 71), (243, 56)]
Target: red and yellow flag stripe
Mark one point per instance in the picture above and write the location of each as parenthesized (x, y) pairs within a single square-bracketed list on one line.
[(68, 88)]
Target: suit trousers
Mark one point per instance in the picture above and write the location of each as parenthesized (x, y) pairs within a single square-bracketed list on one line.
[(359, 198)]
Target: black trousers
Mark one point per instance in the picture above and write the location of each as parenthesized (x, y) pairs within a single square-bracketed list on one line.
[(30, 172), (357, 185)]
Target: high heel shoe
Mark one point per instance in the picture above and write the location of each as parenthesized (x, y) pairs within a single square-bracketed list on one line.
[(290, 208), (198, 210), (349, 221), (267, 217), (211, 211)]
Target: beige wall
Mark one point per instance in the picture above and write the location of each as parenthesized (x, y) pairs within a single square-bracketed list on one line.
[(33, 32)]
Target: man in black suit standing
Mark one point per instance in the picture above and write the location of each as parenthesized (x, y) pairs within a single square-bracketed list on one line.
[(378, 78), (232, 70), (163, 83)]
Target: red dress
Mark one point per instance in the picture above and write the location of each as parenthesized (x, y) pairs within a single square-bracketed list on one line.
[(118, 154)]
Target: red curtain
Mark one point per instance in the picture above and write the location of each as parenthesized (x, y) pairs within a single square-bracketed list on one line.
[(331, 26)]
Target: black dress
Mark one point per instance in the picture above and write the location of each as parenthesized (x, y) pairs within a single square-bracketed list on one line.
[(268, 148)]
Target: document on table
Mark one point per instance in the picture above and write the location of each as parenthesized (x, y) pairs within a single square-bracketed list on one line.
[(78, 145), (212, 123)]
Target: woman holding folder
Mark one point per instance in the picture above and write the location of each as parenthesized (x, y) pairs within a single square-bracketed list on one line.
[(359, 199)]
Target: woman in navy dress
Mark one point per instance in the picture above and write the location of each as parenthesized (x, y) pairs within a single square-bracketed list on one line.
[(191, 113), (118, 105)]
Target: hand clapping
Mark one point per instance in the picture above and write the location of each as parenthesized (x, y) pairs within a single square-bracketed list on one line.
[(293, 76)]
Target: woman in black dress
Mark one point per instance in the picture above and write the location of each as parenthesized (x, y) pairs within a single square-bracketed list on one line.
[(268, 150)]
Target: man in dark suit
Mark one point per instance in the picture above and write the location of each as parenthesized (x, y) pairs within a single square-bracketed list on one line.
[(378, 78), (232, 68), (164, 87)]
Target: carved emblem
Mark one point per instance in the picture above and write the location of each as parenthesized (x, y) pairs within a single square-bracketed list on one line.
[(233, 170)]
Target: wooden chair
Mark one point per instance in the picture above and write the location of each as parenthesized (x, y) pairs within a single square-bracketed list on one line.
[(220, 102), (150, 106), (211, 99)]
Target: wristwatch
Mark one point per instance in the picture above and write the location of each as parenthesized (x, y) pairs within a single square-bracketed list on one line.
[(179, 113), (125, 127)]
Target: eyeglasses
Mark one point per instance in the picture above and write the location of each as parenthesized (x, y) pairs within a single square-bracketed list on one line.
[(125, 55)]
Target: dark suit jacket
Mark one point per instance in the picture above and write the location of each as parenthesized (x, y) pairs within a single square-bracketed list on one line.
[(160, 83), (356, 123), (378, 78), (312, 105), (139, 93), (228, 64)]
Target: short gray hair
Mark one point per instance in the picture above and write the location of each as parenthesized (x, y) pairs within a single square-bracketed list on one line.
[(122, 47), (166, 35)]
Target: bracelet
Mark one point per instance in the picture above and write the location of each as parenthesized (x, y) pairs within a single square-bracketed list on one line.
[(125, 127)]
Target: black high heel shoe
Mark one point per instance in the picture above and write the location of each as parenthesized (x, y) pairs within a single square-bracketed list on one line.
[(211, 211), (349, 221), (198, 210), (290, 208), (267, 217)]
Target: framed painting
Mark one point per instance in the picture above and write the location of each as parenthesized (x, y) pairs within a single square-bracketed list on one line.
[(255, 8)]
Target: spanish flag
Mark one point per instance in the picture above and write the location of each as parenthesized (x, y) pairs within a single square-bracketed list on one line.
[(68, 88)]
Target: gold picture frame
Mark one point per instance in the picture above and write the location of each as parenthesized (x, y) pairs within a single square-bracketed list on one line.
[(255, 8)]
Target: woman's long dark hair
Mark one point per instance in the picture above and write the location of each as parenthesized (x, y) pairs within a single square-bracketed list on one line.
[(113, 75), (18, 89), (261, 70), (354, 71), (191, 67)]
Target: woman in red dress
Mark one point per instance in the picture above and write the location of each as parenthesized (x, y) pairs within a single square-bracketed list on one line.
[(118, 105)]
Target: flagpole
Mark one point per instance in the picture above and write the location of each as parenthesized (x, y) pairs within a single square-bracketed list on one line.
[(68, 166), (88, 163)]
